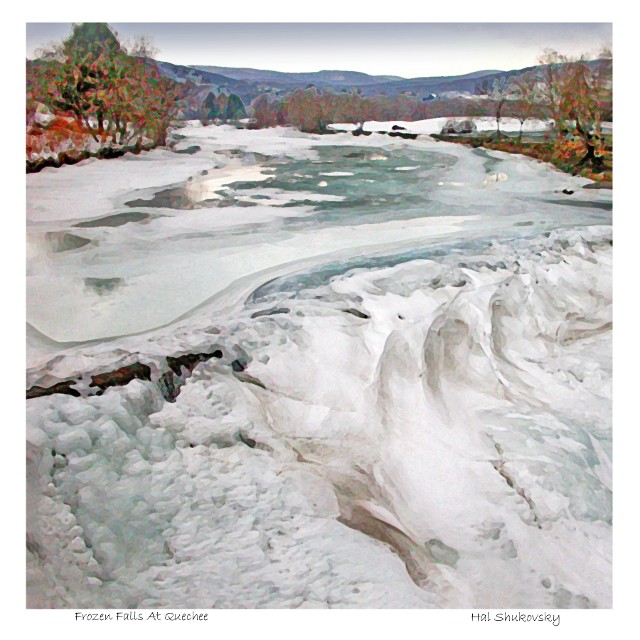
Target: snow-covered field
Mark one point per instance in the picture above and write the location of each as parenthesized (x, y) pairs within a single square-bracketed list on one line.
[(423, 419), (483, 124)]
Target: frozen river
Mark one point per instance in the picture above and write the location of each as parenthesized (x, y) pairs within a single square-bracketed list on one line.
[(423, 415)]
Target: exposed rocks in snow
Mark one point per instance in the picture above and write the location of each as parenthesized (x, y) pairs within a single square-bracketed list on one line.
[(238, 365), (64, 387), (417, 559), (459, 126), (190, 360), (356, 313), (188, 150), (122, 376), (360, 131), (269, 312), (403, 135), (115, 220)]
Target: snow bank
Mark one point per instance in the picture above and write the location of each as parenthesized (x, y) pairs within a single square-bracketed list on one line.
[(434, 125), (462, 421)]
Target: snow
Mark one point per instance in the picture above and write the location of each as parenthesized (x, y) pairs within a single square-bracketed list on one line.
[(435, 125), (384, 406), (446, 445), (92, 187)]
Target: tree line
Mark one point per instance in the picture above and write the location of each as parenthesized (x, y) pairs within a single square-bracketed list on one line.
[(575, 95), (119, 96)]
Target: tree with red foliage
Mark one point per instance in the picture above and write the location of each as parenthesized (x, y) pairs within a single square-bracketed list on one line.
[(577, 94), (118, 98)]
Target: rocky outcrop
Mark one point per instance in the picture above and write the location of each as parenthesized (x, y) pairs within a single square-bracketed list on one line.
[(190, 360), (122, 376), (180, 368), (61, 387), (459, 126), (169, 380)]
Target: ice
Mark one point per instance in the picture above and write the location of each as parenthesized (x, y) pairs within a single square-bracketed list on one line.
[(173, 263)]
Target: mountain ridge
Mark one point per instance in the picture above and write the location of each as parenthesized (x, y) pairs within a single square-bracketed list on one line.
[(337, 76), (248, 83)]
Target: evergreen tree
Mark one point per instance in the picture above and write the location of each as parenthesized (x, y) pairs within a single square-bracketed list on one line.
[(235, 108)]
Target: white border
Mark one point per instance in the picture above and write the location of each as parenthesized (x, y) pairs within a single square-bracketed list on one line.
[(616, 623)]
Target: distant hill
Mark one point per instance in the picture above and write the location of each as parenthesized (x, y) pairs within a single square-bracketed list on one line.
[(246, 90), (467, 83), (341, 78), (250, 83)]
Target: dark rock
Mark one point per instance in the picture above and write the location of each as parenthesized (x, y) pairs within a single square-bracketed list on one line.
[(459, 126), (359, 131), (250, 442), (170, 391), (238, 366), (567, 191), (171, 381), (122, 376), (189, 150), (356, 313), (190, 360), (60, 387), (269, 312), (404, 136)]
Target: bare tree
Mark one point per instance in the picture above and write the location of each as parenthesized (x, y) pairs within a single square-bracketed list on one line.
[(499, 95), (524, 91), (496, 92), (143, 47)]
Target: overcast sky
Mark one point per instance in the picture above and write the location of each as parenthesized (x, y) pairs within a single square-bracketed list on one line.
[(409, 50)]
